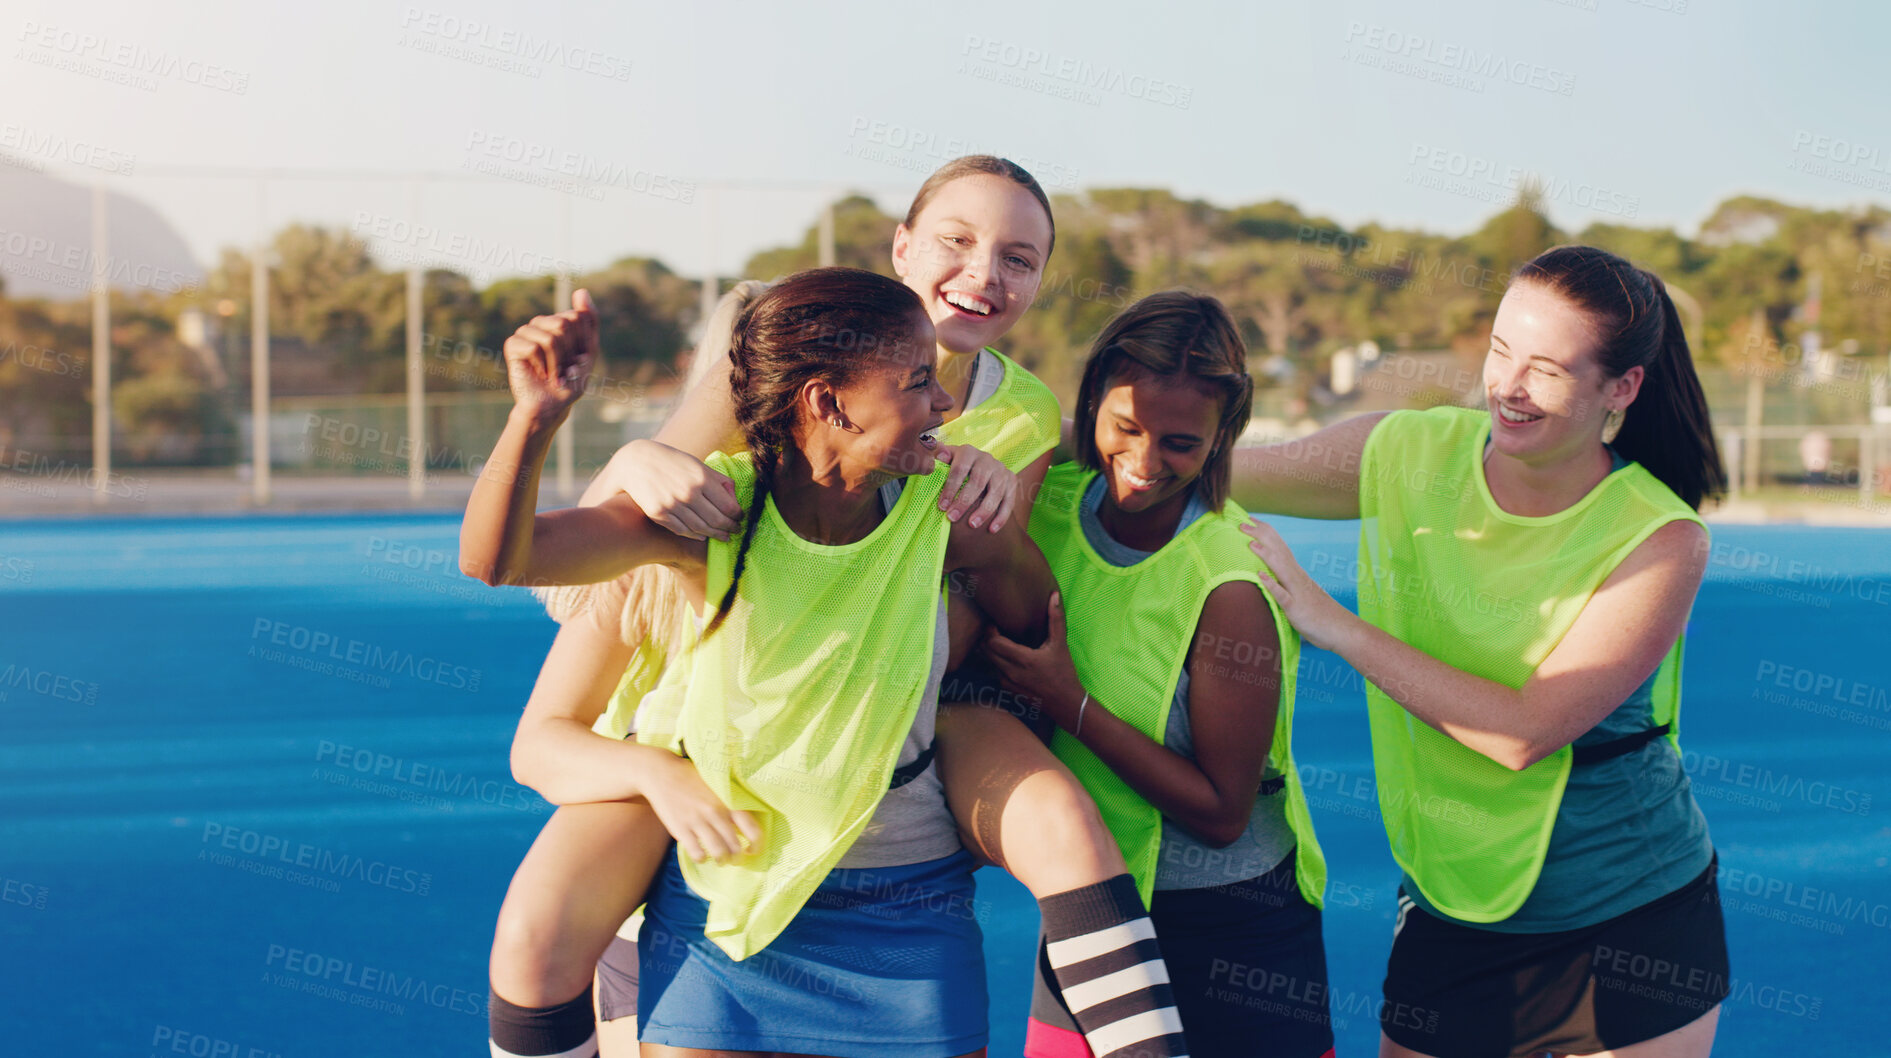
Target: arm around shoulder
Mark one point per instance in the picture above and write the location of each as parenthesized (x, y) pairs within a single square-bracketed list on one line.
[(1316, 476)]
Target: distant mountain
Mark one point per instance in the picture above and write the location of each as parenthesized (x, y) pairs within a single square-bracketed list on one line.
[(46, 240)]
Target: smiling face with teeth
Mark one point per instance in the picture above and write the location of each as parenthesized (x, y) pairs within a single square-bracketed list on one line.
[(1154, 434), (883, 418), (1547, 392), (975, 255)]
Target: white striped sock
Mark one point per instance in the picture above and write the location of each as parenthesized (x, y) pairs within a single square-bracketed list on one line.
[(1136, 1028), (1120, 983), (1108, 939)]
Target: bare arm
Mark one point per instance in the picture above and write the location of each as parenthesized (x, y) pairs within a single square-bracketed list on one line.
[(577, 545), (1232, 705), (1005, 574), (496, 535), (554, 750), (1615, 644), (556, 753), (705, 421), (547, 363), (503, 540), (1313, 477)]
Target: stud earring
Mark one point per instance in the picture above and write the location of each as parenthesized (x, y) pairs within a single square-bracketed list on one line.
[(1613, 424)]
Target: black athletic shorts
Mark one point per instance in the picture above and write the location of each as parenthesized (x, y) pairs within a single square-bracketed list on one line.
[(1456, 991), (1247, 965)]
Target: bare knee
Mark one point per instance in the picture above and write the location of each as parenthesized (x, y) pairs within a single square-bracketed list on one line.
[(1055, 839), (532, 962)]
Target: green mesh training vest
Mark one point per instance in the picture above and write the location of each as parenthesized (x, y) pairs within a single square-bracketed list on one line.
[(1019, 422), (1130, 630), (797, 707), (1445, 570)]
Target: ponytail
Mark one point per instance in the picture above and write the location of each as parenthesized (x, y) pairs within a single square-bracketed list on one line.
[(1667, 429), (824, 323)]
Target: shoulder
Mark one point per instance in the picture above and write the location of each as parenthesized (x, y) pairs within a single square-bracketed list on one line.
[(1680, 544), (1218, 538), (1021, 387), (1063, 485), (739, 468), (1237, 621)]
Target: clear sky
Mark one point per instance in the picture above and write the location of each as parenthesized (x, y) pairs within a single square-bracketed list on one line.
[(699, 132)]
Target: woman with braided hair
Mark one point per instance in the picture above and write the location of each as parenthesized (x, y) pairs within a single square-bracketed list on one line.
[(829, 912), (972, 248)]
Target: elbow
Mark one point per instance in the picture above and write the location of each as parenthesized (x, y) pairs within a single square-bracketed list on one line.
[(1223, 829), (490, 573), (529, 771), (485, 572), (1518, 754)]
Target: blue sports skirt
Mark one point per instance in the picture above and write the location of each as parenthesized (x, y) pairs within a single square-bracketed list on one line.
[(881, 960)]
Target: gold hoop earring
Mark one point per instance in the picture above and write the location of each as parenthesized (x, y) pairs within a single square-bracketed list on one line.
[(1613, 424)]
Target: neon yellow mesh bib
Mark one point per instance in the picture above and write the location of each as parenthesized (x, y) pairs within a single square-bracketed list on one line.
[(796, 708), (1017, 423), (640, 678), (1444, 569), (1130, 631)]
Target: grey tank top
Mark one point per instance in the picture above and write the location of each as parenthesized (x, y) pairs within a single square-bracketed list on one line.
[(912, 823)]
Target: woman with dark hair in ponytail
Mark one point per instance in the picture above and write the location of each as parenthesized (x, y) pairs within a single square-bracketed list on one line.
[(1526, 572)]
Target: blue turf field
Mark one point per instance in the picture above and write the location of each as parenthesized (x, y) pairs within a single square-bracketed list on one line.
[(195, 862)]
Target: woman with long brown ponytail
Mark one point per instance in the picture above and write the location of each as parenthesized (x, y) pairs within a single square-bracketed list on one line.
[(1525, 580)]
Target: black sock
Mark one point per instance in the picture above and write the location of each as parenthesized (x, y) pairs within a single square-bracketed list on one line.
[(568, 1030), (1103, 950)]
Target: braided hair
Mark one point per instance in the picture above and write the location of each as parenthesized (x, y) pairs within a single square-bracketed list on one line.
[(830, 324)]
